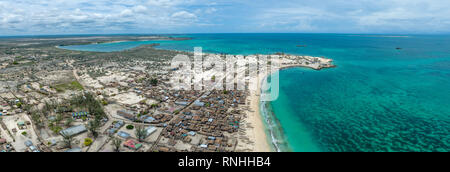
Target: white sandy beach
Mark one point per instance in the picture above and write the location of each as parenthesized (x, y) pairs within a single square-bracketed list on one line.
[(254, 115), (254, 136)]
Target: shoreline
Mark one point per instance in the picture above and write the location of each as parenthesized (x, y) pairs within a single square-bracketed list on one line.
[(261, 137), (255, 117), (142, 39), (255, 134), (254, 137)]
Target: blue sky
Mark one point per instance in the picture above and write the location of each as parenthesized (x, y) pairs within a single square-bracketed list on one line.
[(24, 17)]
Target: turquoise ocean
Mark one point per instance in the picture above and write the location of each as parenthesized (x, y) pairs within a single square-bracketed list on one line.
[(388, 92)]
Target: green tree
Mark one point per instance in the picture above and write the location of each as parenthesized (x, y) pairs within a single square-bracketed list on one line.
[(68, 139), (140, 133), (130, 127), (154, 81), (87, 100), (68, 122), (36, 117), (154, 106), (26, 107), (93, 127), (88, 141), (58, 118), (116, 143)]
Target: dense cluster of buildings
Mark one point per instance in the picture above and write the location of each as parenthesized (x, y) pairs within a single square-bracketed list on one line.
[(37, 111)]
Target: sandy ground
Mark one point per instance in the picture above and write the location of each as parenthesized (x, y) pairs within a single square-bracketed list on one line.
[(54, 77), (19, 144), (108, 147), (110, 91), (98, 143), (129, 98), (111, 111), (254, 138), (182, 146), (112, 78), (259, 131), (89, 82)]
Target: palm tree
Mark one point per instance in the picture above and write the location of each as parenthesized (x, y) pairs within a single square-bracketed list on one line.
[(116, 143), (68, 139), (93, 126), (140, 133), (68, 122)]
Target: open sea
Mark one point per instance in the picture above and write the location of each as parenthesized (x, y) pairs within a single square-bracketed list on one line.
[(388, 92)]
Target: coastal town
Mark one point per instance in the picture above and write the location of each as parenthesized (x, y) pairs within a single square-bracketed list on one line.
[(58, 100)]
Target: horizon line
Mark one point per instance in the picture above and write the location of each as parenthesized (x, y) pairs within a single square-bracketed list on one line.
[(187, 33)]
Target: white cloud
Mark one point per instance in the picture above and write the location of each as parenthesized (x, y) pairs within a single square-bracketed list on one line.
[(139, 9), (67, 16), (210, 10), (408, 16), (103, 16), (126, 13), (184, 15)]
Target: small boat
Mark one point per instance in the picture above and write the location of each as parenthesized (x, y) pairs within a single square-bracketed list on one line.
[(301, 45), (398, 48)]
